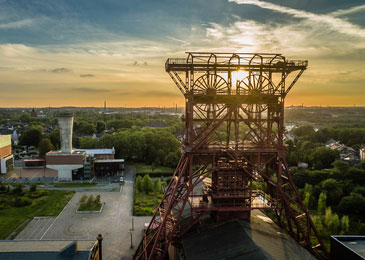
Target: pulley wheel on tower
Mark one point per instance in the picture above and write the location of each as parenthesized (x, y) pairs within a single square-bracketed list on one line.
[(210, 84)]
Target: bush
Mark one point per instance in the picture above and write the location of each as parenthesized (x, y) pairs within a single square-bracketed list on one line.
[(33, 187), (147, 184), (20, 202), (97, 199), (18, 190), (3, 188), (37, 194), (139, 184), (145, 211), (90, 201), (157, 186), (83, 199)]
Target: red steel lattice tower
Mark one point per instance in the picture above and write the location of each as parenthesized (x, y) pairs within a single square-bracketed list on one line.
[(233, 143)]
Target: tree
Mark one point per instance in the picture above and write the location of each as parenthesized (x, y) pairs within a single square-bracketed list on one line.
[(54, 136), (147, 184), (300, 176), (321, 208), (100, 126), (306, 199), (139, 184), (157, 186), (84, 127), (345, 224), (304, 130), (334, 224), (31, 137), (322, 157), (333, 190), (328, 215), (44, 147), (352, 204)]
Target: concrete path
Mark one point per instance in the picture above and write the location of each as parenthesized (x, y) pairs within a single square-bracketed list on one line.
[(36, 228)]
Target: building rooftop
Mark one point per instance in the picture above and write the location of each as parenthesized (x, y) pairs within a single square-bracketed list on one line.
[(46, 249), (109, 160), (92, 152), (68, 154), (355, 244), (259, 239)]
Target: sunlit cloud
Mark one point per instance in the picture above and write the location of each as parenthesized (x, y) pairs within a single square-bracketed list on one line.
[(178, 40), (351, 10), (333, 23)]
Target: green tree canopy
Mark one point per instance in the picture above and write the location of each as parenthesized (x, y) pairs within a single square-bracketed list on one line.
[(32, 136), (44, 147), (322, 157)]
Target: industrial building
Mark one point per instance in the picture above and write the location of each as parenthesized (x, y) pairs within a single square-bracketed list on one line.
[(66, 161), (108, 167), (6, 156), (81, 164)]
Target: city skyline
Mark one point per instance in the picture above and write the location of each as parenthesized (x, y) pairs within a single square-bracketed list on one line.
[(82, 53)]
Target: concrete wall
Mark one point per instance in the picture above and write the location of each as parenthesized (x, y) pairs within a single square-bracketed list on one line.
[(65, 171), (65, 123)]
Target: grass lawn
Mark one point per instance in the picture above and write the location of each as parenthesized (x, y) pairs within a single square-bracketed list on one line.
[(74, 185), (145, 204), (142, 168), (48, 205)]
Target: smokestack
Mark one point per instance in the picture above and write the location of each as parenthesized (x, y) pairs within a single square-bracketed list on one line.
[(65, 123)]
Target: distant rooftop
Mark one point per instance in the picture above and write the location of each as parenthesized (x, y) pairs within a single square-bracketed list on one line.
[(109, 160), (46, 249), (62, 153), (92, 152)]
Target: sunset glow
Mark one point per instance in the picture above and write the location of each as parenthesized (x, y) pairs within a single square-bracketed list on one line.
[(56, 53)]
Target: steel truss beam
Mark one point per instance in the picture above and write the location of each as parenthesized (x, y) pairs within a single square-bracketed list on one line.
[(233, 137)]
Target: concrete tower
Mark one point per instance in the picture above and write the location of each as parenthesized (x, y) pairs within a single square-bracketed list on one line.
[(65, 161), (65, 123)]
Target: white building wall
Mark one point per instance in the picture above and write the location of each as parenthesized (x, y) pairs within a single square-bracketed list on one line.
[(65, 171)]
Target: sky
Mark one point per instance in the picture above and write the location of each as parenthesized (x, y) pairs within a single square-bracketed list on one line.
[(80, 53)]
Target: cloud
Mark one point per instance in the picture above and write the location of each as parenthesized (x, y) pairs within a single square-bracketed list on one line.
[(351, 10), (87, 75), (334, 23), (60, 70), (178, 40), (17, 24)]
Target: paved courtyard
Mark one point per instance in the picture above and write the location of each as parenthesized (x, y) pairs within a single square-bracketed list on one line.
[(114, 222)]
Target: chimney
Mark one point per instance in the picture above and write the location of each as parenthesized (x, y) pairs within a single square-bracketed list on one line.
[(65, 123)]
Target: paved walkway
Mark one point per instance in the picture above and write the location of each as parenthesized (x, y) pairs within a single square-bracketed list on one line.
[(114, 222), (36, 228)]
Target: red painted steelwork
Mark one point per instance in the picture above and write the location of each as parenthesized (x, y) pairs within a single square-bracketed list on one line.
[(233, 142)]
